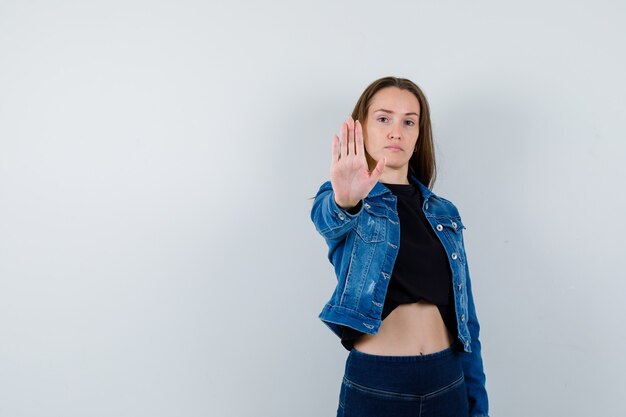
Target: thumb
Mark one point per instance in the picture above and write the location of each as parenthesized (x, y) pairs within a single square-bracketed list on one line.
[(379, 168)]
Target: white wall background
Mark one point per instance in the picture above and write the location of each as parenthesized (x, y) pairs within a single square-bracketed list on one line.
[(156, 158)]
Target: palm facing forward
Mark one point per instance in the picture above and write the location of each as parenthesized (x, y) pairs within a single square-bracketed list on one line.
[(349, 174)]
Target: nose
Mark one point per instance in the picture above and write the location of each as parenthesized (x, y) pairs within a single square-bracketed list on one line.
[(394, 132)]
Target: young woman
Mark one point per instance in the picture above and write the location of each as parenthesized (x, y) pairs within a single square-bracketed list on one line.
[(403, 304)]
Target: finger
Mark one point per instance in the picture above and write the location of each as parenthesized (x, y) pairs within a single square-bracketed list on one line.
[(358, 145), (343, 147), (335, 149), (350, 136)]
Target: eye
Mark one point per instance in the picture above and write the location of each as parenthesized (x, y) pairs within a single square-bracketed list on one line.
[(383, 119), (410, 123)]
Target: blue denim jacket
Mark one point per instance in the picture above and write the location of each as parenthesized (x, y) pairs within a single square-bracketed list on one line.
[(363, 248)]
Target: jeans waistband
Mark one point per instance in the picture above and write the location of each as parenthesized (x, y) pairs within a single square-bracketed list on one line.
[(450, 351), (411, 374)]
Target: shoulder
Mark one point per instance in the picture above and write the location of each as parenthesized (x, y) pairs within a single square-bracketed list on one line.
[(446, 205)]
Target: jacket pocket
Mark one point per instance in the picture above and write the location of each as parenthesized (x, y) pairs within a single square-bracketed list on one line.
[(371, 224)]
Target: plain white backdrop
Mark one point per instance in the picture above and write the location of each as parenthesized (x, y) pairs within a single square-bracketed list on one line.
[(156, 162)]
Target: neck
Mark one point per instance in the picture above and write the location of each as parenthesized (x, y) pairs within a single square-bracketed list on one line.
[(395, 176)]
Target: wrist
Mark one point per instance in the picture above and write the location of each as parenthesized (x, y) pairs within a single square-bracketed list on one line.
[(344, 205), (352, 209)]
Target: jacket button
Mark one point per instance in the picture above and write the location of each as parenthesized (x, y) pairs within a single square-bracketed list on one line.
[(462, 317), (366, 205), (460, 285), (341, 216), (454, 225), (439, 227), (426, 205), (454, 256)]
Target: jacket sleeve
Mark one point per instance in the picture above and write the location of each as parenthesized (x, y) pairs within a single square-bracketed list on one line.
[(472, 362), (330, 220)]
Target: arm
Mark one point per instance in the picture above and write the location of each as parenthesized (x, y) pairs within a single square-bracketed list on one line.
[(472, 362), (350, 182), (330, 220)]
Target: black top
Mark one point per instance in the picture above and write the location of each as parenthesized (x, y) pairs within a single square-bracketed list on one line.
[(421, 270)]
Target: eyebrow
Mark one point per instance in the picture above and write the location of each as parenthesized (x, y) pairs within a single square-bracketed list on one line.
[(390, 112)]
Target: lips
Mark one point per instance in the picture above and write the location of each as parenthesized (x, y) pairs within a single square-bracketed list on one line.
[(393, 148)]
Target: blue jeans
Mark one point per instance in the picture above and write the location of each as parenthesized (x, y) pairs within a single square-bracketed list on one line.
[(430, 385)]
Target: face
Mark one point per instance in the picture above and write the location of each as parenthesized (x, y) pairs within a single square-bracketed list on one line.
[(391, 128)]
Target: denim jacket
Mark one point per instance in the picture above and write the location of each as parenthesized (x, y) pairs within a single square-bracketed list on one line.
[(363, 247)]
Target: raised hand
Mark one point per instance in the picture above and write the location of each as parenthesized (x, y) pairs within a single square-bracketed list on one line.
[(349, 173)]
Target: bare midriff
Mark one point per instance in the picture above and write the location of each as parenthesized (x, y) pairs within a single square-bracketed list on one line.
[(410, 329)]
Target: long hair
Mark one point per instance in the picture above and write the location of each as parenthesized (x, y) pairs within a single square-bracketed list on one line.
[(422, 163)]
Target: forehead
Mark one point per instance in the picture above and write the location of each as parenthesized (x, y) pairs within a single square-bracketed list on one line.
[(394, 99)]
